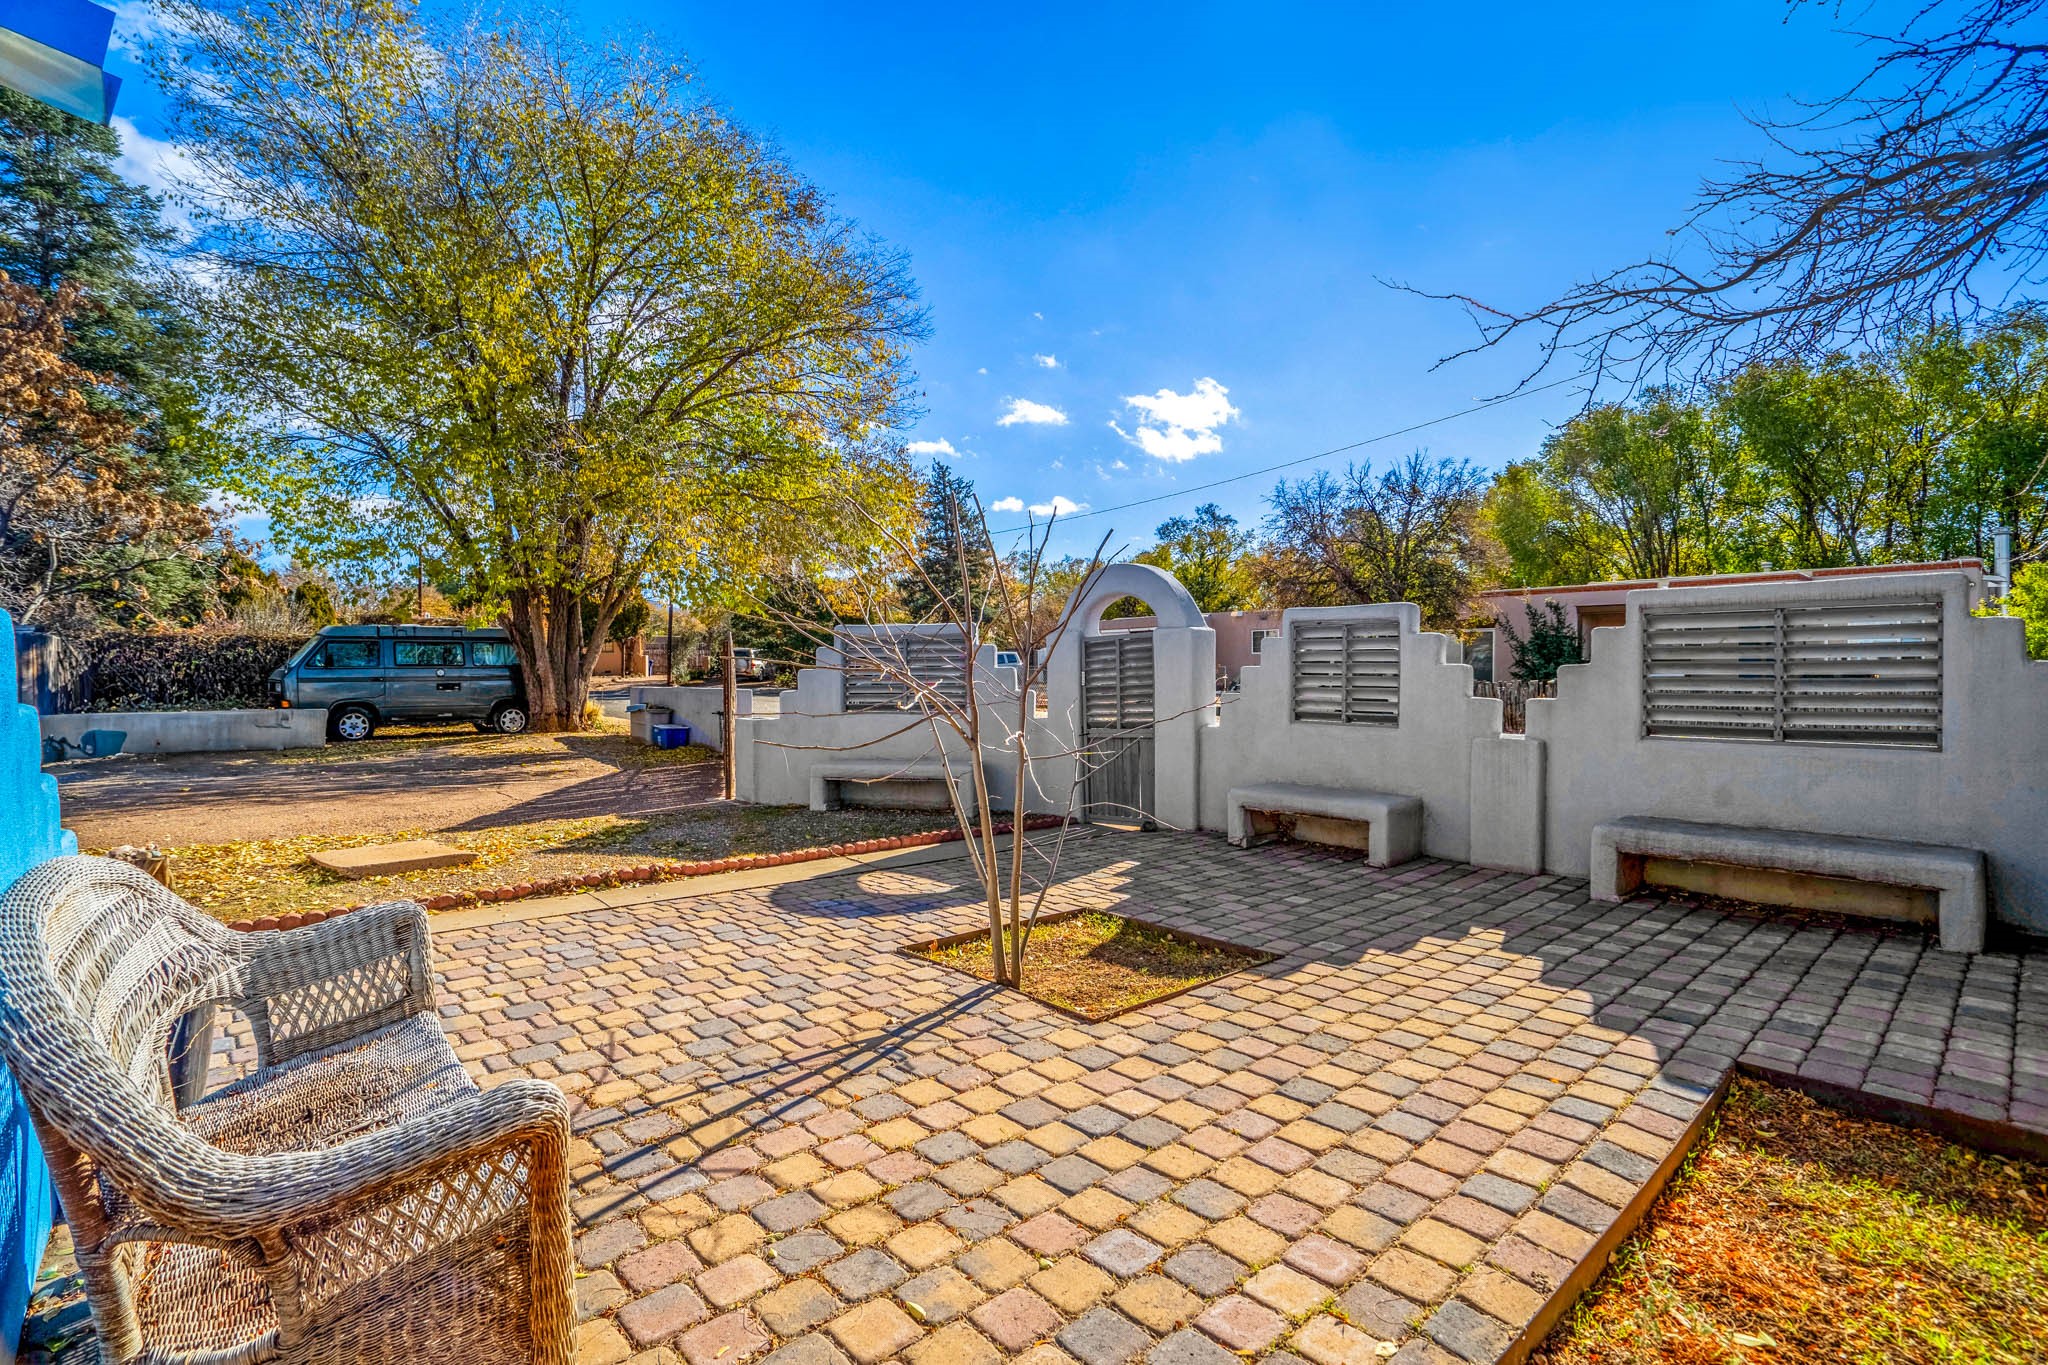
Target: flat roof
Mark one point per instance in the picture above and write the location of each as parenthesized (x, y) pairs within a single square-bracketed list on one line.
[(1773, 576)]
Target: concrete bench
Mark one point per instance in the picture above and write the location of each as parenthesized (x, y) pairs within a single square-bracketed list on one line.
[(1393, 832), (826, 776), (1954, 875)]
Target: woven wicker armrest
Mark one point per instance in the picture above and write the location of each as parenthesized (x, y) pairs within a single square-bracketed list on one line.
[(312, 988), (228, 1195)]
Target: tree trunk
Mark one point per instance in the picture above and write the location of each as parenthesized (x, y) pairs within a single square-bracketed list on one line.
[(546, 626)]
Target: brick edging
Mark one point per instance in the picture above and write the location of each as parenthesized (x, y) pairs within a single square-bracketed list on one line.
[(646, 872), (1968, 1130), (1624, 1225)]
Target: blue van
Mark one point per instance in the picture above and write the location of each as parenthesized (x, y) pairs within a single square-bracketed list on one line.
[(367, 675)]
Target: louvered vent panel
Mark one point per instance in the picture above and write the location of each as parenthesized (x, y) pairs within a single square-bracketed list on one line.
[(1347, 672), (893, 672), (1863, 674), (1116, 681), (1711, 674)]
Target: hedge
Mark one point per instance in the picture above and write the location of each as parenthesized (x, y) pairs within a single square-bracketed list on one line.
[(190, 670)]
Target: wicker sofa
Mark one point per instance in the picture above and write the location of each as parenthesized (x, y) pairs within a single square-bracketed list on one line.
[(356, 1198)]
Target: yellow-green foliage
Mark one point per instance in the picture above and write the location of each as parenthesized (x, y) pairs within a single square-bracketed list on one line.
[(535, 312)]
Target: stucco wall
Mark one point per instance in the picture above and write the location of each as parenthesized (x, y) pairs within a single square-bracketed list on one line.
[(773, 755), (194, 732), (1986, 787), (1427, 755), (697, 707)]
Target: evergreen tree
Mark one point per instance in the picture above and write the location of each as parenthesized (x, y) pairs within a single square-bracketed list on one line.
[(952, 529), (68, 218), (1550, 644), (66, 215)]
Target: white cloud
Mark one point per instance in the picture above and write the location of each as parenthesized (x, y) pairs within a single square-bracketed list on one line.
[(942, 446), (157, 164), (1024, 412), (1179, 426), (1049, 362), (982, 370), (137, 24), (1062, 504), (1007, 505)]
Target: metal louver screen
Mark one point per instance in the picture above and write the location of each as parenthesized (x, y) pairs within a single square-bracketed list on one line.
[(893, 672), (1348, 672), (1116, 681), (1861, 674)]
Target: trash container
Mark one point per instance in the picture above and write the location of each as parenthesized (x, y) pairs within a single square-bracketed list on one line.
[(671, 736)]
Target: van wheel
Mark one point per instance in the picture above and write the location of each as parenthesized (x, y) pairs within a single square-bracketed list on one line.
[(351, 724), (509, 719)]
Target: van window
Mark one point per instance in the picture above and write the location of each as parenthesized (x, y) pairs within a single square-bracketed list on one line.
[(428, 654), (345, 654), (493, 654)]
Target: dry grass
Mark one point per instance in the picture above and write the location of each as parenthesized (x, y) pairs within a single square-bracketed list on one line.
[(256, 877), (1797, 1234), (1097, 964)]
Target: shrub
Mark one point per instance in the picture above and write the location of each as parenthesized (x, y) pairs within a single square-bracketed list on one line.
[(1550, 644), (189, 670)]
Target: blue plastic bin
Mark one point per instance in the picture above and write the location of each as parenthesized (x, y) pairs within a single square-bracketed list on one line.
[(671, 736)]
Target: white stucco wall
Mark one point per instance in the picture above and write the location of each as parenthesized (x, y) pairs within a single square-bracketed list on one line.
[(698, 707), (1986, 787), (1427, 755), (197, 732), (773, 754)]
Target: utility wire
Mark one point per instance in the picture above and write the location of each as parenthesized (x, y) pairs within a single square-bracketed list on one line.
[(1289, 464)]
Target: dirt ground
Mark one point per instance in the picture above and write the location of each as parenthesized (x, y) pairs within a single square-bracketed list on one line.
[(240, 828), (406, 778)]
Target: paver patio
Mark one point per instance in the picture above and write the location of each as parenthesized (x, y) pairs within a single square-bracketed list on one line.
[(1410, 1128)]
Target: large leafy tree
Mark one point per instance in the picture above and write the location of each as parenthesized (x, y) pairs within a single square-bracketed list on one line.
[(1913, 451), (1209, 555), (532, 310), (1412, 533), (1630, 491)]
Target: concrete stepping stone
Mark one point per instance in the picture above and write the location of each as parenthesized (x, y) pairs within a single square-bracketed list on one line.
[(387, 860)]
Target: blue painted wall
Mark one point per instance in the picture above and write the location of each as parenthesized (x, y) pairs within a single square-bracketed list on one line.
[(29, 833)]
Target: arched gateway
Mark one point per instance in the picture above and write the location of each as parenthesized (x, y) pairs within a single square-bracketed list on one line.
[(1131, 701)]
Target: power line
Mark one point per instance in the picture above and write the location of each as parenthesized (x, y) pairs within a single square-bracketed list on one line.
[(1305, 459)]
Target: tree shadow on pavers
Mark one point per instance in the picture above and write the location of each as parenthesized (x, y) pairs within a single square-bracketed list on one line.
[(638, 792), (787, 1087), (1668, 969), (879, 892)]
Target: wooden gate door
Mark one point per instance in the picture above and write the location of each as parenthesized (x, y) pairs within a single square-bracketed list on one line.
[(1116, 728)]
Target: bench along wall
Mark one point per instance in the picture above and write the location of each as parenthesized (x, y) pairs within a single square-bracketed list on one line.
[(1359, 698), (1744, 714), (842, 712), (190, 732)]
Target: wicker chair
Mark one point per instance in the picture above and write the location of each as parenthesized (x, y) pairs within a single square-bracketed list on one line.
[(357, 1198)]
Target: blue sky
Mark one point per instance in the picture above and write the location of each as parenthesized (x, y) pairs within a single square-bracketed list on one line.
[(1193, 206)]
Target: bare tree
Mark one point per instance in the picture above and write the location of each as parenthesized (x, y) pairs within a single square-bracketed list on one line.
[(1412, 533), (1004, 598), (1899, 202)]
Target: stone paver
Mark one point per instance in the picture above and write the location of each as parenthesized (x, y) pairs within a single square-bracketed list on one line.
[(793, 1143)]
